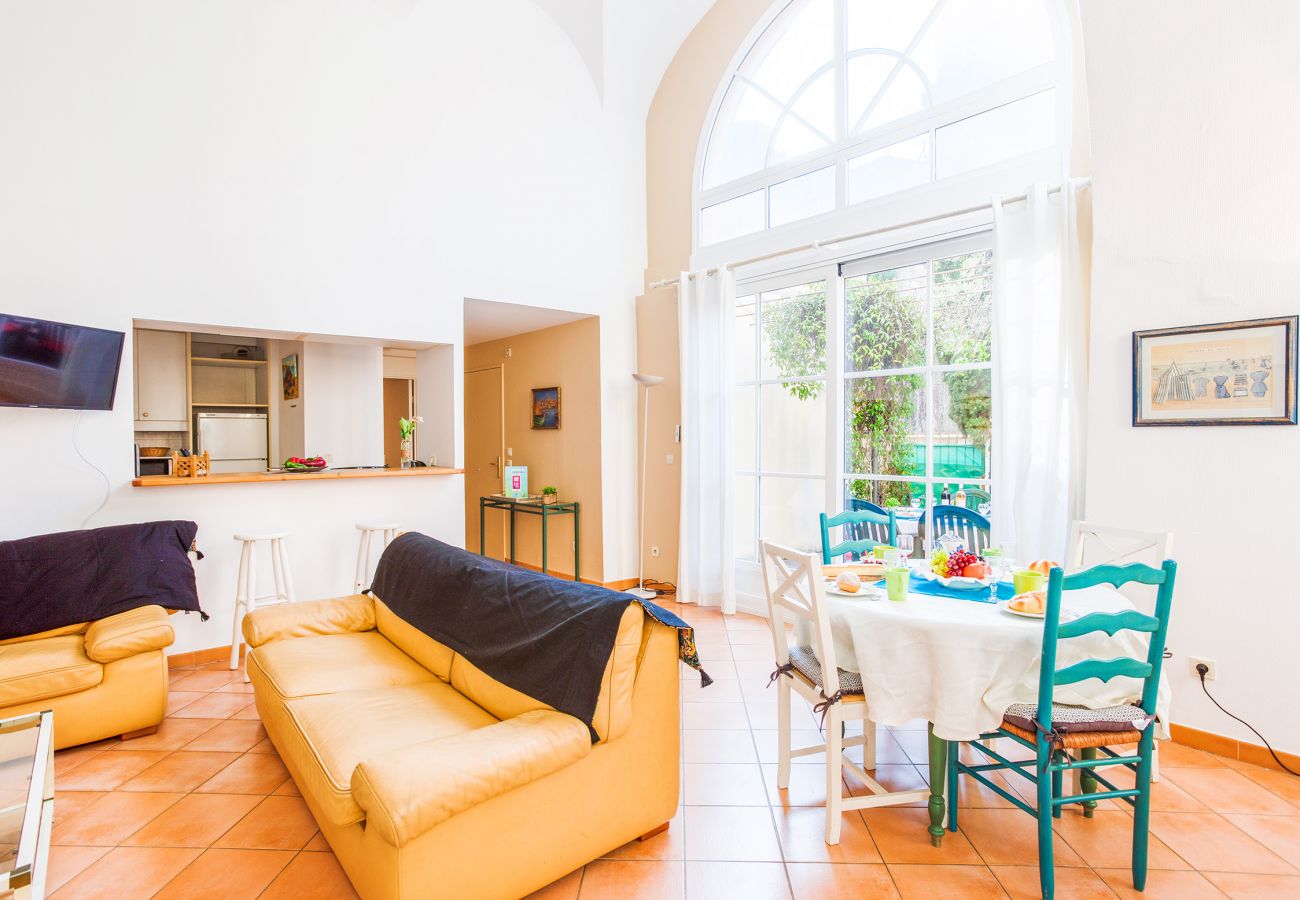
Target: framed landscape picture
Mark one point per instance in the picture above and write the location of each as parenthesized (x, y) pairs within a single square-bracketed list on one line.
[(1232, 373), (546, 408)]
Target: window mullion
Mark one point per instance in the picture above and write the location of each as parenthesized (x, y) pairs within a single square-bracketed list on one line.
[(929, 401), (835, 389)]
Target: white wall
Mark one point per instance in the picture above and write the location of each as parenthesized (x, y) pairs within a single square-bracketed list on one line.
[(1197, 219), (344, 404), (306, 166)]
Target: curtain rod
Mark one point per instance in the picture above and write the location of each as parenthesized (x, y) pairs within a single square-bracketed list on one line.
[(818, 245)]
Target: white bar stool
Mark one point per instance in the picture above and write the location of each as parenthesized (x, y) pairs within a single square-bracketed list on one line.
[(246, 596), (368, 532)]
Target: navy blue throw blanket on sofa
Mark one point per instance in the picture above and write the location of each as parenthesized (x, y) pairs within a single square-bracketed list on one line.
[(544, 637), (54, 580)]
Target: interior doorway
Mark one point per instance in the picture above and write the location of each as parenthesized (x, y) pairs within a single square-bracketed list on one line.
[(399, 396), (485, 448)]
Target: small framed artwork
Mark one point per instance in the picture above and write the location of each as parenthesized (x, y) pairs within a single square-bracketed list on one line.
[(1232, 373), (546, 408), (289, 376)]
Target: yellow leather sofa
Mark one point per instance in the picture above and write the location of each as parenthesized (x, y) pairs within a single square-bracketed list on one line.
[(431, 779), (102, 679)]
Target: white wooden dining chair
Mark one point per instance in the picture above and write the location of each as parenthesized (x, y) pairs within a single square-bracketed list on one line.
[(1091, 545), (796, 591)]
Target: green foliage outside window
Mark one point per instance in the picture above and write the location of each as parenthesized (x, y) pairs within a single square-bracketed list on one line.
[(885, 329)]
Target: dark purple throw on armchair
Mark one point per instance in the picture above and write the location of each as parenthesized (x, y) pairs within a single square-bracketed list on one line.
[(53, 580)]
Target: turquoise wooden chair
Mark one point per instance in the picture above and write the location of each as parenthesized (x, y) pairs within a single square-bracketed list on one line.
[(876, 531), (1056, 731), (856, 542), (970, 525)]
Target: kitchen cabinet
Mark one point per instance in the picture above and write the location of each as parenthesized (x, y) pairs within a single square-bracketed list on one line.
[(161, 364)]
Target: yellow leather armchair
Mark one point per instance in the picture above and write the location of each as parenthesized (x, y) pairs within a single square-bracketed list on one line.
[(101, 679), (430, 778)]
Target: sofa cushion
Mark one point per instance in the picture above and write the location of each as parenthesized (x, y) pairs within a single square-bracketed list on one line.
[(433, 655), (36, 670), (613, 711), (326, 664), (79, 628), (330, 734)]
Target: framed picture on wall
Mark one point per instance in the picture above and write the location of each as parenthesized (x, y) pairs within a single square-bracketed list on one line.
[(546, 408), (289, 376), (1231, 373)]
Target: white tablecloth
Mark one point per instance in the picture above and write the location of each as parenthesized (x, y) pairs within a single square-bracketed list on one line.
[(961, 663)]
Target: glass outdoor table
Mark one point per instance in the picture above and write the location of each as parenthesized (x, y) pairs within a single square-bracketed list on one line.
[(26, 803), (530, 508)]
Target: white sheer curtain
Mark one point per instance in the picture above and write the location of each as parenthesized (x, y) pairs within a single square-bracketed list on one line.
[(1040, 382), (705, 316)]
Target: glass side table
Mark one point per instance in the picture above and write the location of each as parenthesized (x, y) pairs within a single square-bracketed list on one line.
[(26, 803)]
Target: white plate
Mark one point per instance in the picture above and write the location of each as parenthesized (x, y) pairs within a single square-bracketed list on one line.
[(1002, 605), (866, 591)]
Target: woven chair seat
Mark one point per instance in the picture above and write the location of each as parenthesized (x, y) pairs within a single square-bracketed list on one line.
[(807, 664), (1077, 727)]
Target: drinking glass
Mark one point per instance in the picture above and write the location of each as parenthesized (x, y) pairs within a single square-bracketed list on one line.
[(985, 508), (916, 503), (1025, 581), (905, 546), (896, 583)]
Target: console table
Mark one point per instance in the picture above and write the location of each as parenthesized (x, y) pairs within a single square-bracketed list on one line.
[(529, 508)]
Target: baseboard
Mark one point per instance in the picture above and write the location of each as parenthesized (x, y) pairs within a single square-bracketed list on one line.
[(1244, 751), (621, 585), (202, 657)]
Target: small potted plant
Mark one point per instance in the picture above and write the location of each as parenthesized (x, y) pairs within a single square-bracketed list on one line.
[(406, 428), (550, 494)]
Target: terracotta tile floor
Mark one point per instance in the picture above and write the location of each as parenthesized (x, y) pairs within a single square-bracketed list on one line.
[(204, 809)]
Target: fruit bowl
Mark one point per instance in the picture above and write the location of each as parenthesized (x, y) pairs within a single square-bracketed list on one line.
[(960, 583)]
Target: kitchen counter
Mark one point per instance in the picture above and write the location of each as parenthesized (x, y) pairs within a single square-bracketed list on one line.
[(262, 477)]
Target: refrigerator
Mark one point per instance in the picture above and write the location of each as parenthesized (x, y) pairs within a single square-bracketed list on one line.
[(235, 442)]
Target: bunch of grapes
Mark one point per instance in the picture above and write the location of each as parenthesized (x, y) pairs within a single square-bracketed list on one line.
[(958, 560), (939, 563)]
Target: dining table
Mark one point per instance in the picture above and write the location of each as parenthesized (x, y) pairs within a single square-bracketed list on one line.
[(958, 659)]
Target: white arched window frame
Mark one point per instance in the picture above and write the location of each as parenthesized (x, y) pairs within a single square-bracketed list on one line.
[(829, 166)]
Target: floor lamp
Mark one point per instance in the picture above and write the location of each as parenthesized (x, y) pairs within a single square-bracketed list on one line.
[(647, 382)]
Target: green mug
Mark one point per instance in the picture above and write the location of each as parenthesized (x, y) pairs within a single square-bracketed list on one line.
[(1025, 581), (896, 583)]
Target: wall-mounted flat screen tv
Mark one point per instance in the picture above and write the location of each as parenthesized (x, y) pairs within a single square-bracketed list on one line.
[(55, 365)]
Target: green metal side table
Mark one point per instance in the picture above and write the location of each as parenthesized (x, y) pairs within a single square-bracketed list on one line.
[(530, 508)]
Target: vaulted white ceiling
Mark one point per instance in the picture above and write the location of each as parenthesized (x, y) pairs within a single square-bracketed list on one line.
[(626, 45)]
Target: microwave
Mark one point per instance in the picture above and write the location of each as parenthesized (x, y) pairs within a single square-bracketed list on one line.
[(152, 465)]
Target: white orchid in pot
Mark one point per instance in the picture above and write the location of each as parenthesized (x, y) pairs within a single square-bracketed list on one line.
[(406, 427)]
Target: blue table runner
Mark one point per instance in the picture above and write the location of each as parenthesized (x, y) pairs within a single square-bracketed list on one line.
[(919, 585)]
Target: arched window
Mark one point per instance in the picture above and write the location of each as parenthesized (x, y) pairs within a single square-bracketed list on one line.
[(843, 102)]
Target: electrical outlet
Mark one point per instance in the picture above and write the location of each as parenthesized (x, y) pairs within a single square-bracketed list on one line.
[(668, 458), (654, 551), (1211, 675)]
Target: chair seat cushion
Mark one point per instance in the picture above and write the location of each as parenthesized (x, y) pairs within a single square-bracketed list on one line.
[(1075, 719), (807, 664), (329, 663), (331, 734), (50, 667)]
